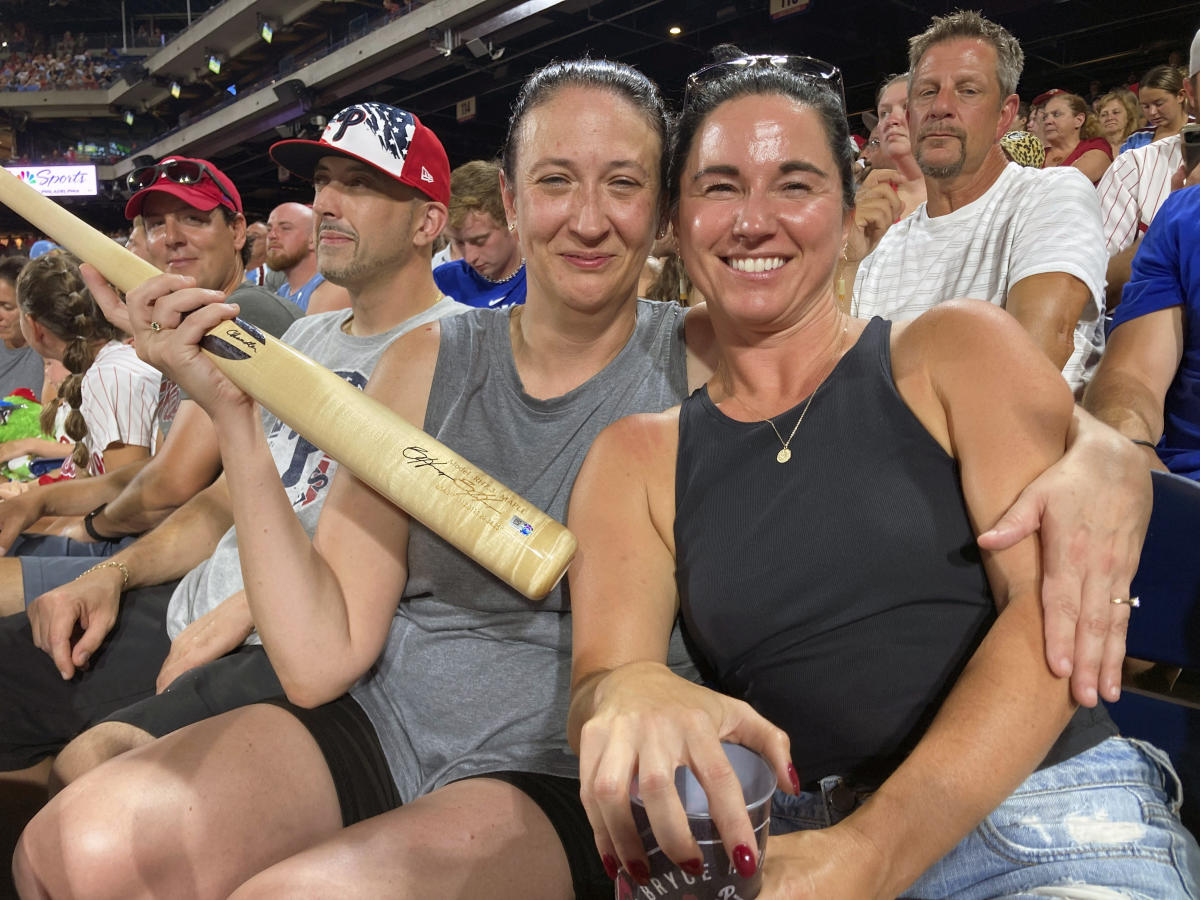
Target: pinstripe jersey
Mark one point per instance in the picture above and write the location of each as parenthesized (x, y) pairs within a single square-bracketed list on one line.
[(1030, 222), (120, 397), (1133, 189)]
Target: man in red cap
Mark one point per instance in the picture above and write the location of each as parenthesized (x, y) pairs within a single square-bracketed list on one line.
[(377, 235), (193, 214)]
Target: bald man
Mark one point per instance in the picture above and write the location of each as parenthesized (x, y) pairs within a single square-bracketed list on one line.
[(292, 251)]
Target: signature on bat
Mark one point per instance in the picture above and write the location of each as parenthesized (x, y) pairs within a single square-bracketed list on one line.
[(419, 458), (238, 336)]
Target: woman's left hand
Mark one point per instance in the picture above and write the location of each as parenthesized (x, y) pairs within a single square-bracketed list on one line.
[(815, 865), (219, 631)]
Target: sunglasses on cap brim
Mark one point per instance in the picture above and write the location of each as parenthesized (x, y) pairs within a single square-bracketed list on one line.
[(179, 171)]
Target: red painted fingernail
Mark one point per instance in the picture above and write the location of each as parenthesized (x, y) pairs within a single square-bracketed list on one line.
[(795, 779), (611, 866), (639, 871), (744, 861), (693, 866)]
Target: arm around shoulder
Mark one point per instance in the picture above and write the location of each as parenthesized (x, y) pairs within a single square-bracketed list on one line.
[(1093, 164)]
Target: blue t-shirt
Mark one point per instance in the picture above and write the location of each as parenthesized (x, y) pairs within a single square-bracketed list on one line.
[(457, 280), (1166, 273), (302, 294), (1138, 139)]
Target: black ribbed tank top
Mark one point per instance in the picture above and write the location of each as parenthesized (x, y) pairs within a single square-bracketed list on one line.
[(840, 593)]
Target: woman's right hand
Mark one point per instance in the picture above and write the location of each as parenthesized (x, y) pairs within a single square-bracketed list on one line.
[(647, 722)]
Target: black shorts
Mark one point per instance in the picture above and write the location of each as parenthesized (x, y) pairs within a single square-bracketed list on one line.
[(365, 788), (237, 679), (40, 713)]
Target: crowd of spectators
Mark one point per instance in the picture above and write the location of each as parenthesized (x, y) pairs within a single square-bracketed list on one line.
[(32, 61), (60, 70)]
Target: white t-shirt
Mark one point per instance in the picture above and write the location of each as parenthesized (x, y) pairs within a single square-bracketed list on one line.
[(1134, 187), (1031, 221), (120, 398)]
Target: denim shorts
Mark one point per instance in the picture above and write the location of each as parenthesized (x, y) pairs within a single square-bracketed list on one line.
[(1102, 824)]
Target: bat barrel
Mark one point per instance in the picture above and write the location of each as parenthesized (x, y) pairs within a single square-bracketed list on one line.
[(478, 515)]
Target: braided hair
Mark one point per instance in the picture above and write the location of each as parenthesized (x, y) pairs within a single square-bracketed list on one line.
[(51, 290)]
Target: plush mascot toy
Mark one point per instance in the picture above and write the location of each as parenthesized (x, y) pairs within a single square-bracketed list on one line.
[(19, 414)]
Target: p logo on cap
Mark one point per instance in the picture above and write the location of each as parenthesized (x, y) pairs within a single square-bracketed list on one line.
[(384, 137)]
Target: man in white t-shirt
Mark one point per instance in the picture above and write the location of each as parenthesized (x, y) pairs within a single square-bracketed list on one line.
[(1025, 239), (1136, 185)]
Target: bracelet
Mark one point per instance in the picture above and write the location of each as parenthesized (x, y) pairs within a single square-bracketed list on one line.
[(90, 527), (110, 564), (1151, 444)]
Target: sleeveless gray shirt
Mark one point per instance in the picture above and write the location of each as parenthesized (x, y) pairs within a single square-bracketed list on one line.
[(475, 678)]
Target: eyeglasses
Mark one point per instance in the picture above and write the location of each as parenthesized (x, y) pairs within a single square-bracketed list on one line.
[(804, 66), (180, 171)]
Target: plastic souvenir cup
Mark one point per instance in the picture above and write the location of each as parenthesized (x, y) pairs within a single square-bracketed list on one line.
[(720, 880)]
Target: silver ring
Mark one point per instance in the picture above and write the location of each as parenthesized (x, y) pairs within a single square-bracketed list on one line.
[(1133, 602), (154, 326)]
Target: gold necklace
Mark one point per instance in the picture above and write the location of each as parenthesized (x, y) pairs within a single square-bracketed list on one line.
[(785, 454)]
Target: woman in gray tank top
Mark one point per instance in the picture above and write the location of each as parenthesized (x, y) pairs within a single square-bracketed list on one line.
[(436, 754), (811, 512)]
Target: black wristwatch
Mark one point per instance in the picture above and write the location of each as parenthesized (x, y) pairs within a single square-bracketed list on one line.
[(91, 529)]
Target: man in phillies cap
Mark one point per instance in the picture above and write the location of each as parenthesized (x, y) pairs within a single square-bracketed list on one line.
[(381, 182), (384, 138), (392, 152)]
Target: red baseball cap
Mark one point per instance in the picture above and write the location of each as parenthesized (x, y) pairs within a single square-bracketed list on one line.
[(385, 138), (1042, 98), (196, 182)]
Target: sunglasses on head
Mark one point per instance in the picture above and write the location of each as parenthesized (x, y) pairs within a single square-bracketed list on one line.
[(180, 171), (804, 66)]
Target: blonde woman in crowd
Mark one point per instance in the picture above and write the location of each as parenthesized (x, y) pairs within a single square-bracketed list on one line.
[(1118, 114)]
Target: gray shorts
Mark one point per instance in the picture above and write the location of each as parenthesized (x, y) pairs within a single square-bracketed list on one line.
[(49, 561), (237, 679)]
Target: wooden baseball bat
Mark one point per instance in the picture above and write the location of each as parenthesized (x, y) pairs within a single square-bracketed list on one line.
[(501, 531)]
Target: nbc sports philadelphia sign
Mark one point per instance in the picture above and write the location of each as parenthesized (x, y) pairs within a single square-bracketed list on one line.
[(58, 181)]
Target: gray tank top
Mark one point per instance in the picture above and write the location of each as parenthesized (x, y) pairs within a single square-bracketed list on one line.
[(474, 677)]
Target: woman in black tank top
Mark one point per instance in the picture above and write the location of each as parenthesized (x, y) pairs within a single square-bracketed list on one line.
[(811, 512)]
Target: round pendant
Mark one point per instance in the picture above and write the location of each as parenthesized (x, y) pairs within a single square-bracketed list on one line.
[(783, 455)]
